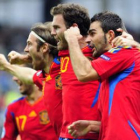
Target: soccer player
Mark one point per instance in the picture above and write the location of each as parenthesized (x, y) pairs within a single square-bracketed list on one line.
[(79, 99), (118, 69), (42, 50), (27, 116)]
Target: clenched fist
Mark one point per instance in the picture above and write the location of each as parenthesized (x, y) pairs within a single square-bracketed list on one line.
[(17, 58)]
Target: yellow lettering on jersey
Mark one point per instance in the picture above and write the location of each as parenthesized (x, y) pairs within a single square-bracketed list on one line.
[(23, 119), (18, 126), (32, 114), (64, 64)]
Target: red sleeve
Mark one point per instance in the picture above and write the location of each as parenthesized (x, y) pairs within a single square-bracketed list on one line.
[(38, 79), (109, 63), (10, 130)]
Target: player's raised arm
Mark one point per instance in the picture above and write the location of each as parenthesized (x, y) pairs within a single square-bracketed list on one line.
[(23, 73), (17, 58), (125, 39), (81, 65), (121, 41), (125, 34)]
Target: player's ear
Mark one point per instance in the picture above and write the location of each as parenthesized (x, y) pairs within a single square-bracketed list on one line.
[(74, 25), (111, 35), (45, 47)]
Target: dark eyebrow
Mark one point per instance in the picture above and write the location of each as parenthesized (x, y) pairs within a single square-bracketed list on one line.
[(28, 41), (91, 30), (55, 26)]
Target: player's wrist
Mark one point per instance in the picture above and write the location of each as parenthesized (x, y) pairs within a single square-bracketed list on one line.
[(72, 38), (6, 66), (73, 42), (94, 126)]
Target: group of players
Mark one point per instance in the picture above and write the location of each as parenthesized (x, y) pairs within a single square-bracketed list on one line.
[(89, 75)]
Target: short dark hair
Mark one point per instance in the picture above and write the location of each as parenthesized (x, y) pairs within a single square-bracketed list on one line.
[(73, 13), (109, 21), (44, 31)]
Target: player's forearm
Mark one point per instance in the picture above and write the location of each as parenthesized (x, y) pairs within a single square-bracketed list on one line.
[(23, 73), (95, 126), (81, 65)]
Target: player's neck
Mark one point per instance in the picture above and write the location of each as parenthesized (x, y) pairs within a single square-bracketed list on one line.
[(49, 60), (35, 96), (109, 46)]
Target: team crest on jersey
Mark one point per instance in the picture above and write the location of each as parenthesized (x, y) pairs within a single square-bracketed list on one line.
[(44, 119), (58, 83)]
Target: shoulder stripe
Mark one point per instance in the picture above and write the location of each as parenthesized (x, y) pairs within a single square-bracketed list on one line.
[(12, 114), (57, 60), (21, 98)]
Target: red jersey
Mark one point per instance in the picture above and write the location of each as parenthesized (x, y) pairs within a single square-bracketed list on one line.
[(119, 70), (79, 99), (31, 122), (52, 90)]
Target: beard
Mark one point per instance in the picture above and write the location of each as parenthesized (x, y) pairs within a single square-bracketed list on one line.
[(28, 90), (39, 66), (100, 48), (62, 45), (38, 63), (24, 92)]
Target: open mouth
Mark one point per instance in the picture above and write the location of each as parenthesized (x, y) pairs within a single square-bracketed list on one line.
[(92, 46), (57, 40), (20, 84), (93, 49)]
